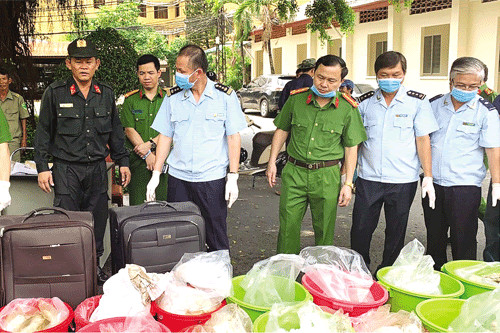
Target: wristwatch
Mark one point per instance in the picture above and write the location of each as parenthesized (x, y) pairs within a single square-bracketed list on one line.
[(351, 185), (153, 145)]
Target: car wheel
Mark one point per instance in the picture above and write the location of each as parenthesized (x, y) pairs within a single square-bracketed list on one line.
[(264, 107)]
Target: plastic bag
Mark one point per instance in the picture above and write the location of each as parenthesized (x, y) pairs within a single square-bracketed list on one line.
[(210, 271), (33, 314), (414, 271), (306, 317), (485, 273), (230, 319), (382, 320), (480, 313), (272, 280), (134, 324), (340, 273)]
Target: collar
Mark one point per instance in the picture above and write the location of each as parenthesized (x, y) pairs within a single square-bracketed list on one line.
[(9, 95), (334, 101), (73, 87), (400, 96), (472, 104), (159, 91), (209, 89)]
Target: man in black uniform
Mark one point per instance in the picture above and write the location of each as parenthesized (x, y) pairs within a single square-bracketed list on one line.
[(304, 80), (79, 126)]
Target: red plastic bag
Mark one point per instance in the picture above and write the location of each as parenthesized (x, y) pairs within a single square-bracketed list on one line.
[(126, 324)]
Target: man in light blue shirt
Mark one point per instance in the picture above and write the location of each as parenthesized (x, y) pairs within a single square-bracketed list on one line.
[(397, 122), (202, 120), (468, 126)]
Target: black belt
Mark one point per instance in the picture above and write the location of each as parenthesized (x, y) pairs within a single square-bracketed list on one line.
[(313, 166)]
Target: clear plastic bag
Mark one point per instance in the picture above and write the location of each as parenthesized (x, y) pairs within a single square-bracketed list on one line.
[(414, 271), (32, 314), (134, 324), (480, 313), (339, 272), (272, 280), (485, 273), (306, 317), (382, 320), (230, 319)]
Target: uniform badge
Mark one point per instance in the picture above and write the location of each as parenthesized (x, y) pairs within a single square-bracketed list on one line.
[(72, 89), (81, 43), (468, 124), (309, 99), (137, 111), (96, 88), (66, 105), (24, 106), (336, 102)]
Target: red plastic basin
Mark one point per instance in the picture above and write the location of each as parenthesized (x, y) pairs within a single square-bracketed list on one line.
[(117, 322)]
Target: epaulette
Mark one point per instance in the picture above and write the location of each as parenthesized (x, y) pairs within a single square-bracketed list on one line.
[(365, 96), (350, 100), (296, 91), (416, 94), (223, 88), (488, 91), (172, 91), (436, 97), (59, 83), (130, 93), (488, 105)]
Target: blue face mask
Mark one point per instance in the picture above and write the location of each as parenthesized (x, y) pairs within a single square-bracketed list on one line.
[(327, 95), (182, 80), (389, 85), (463, 96)]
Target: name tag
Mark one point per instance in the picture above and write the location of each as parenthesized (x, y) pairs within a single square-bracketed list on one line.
[(66, 105), (402, 115), (136, 111), (468, 124)]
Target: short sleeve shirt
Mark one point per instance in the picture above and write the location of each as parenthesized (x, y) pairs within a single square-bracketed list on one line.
[(458, 145), (390, 153), (320, 133), (14, 109), (199, 132), (4, 129)]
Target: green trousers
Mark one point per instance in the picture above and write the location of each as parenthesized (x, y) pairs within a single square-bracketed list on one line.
[(299, 187), (13, 145), (139, 181)]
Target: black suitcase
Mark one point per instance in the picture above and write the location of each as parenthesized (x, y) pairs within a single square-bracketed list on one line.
[(155, 235)]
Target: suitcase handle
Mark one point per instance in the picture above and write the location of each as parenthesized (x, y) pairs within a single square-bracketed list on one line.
[(157, 203), (39, 211)]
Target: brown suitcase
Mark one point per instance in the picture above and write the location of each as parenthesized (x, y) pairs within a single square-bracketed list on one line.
[(49, 252)]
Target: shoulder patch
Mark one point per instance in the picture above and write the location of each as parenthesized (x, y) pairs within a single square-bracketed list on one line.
[(365, 96), (223, 88), (436, 98), (172, 91), (130, 93), (488, 91), (59, 83), (416, 94), (488, 105), (350, 100), (296, 91)]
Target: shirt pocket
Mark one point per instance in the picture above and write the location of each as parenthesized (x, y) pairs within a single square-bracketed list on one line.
[(140, 122), (405, 124), (298, 128), (102, 120), (215, 115), (370, 127), (69, 122), (330, 134), (468, 133)]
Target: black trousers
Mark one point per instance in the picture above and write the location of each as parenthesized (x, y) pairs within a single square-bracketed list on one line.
[(210, 198), (456, 209), (83, 187), (397, 200), (491, 229)]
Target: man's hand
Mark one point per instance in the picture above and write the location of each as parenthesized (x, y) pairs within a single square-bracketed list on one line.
[(271, 172), (4, 194), (45, 181), (150, 161), (495, 194), (142, 149), (125, 173), (345, 195), (231, 188), (428, 188), (343, 177), (152, 185)]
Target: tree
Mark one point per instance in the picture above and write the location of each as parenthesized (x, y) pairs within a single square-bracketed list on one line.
[(234, 67), (173, 50), (200, 23)]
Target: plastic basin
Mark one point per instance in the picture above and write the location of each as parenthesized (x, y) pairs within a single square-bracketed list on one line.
[(380, 296), (254, 311), (471, 287), (288, 321), (438, 313), (115, 322), (401, 299)]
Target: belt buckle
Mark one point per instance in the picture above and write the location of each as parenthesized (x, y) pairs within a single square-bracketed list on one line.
[(310, 166)]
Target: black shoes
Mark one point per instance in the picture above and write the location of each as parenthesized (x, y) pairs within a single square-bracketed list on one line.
[(101, 276)]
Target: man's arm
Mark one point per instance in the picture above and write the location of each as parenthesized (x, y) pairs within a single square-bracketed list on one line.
[(424, 154), (162, 151), (234, 146), (4, 162), (24, 139), (279, 139), (117, 138), (351, 156), (494, 162)]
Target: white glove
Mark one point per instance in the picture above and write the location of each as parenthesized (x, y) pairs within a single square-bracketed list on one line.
[(4, 194), (152, 185), (342, 179), (231, 188), (428, 188), (495, 194)]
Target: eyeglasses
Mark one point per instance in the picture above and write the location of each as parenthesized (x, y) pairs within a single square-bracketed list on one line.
[(465, 87)]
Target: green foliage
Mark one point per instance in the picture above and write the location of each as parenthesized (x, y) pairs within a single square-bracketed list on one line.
[(323, 12), (173, 50), (201, 23), (399, 4), (234, 67)]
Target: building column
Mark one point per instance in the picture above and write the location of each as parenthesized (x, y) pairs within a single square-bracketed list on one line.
[(312, 41), (394, 28), (459, 23), (347, 53)]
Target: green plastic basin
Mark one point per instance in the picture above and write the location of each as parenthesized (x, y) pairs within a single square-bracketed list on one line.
[(437, 314), (471, 287)]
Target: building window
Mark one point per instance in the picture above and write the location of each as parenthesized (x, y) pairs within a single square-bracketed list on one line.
[(99, 3), (259, 63), (301, 52), (434, 51), (277, 59), (161, 12), (142, 10), (377, 44), (335, 47), (425, 6), (373, 15), (177, 10)]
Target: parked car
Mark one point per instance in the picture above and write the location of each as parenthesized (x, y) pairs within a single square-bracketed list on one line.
[(361, 88), (263, 93)]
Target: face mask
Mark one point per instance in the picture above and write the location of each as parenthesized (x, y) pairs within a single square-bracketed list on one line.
[(463, 96), (327, 95), (389, 85), (182, 80)]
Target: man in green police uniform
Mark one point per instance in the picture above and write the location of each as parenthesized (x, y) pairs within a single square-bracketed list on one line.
[(325, 126), (5, 137), (139, 111), (15, 111)]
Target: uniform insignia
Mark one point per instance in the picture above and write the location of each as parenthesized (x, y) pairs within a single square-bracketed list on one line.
[(130, 93), (436, 97), (160, 92), (416, 94), (223, 88), (81, 43), (337, 102), (309, 99), (172, 91), (296, 91), (24, 106), (97, 89), (72, 89), (350, 100), (137, 111), (488, 91), (488, 105), (140, 94), (366, 95)]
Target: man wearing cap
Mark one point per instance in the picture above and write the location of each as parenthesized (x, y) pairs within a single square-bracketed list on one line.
[(304, 80), (5, 137), (79, 126), (347, 87)]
